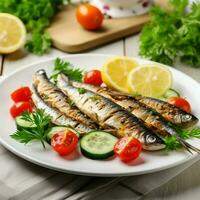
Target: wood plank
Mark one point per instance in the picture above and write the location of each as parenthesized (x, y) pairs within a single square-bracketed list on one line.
[(132, 46), (21, 58), (132, 49)]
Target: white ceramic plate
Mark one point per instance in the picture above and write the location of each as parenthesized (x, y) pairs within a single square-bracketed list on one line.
[(76, 163)]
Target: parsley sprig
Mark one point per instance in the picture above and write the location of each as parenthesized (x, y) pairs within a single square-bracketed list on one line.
[(40, 121), (61, 66), (173, 34), (173, 144)]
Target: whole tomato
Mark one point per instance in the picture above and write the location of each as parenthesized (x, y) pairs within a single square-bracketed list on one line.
[(90, 17)]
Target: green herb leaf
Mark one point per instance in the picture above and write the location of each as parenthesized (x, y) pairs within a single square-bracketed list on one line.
[(81, 90), (40, 120), (66, 68), (172, 34), (70, 102), (189, 133), (171, 143), (40, 43)]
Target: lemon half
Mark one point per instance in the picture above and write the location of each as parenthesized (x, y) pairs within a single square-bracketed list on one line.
[(12, 33), (150, 80), (115, 72)]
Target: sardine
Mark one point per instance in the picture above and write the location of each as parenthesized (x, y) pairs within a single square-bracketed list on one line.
[(57, 117), (110, 116), (170, 112), (152, 119), (56, 99)]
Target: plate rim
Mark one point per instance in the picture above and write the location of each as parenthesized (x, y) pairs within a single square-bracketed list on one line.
[(85, 172)]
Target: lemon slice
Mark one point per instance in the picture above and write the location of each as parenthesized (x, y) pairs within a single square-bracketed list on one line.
[(150, 80), (12, 33), (115, 72)]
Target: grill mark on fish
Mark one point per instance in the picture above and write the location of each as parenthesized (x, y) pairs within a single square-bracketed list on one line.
[(58, 100), (111, 115), (57, 117)]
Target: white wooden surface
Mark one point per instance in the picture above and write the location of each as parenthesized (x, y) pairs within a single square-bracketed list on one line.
[(185, 186)]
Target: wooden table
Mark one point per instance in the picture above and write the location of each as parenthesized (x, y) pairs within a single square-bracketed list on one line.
[(185, 186)]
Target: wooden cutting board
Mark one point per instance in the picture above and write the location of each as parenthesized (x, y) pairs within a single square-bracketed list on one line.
[(67, 35)]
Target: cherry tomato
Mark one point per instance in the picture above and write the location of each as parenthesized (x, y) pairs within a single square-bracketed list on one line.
[(21, 94), (20, 107), (90, 17), (64, 142), (93, 77), (128, 148), (180, 102)]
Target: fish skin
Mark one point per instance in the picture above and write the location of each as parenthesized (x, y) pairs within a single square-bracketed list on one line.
[(57, 117), (110, 115), (56, 99), (152, 119), (170, 112)]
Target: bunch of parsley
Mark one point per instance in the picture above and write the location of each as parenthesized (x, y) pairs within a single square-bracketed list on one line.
[(36, 15), (173, 34)]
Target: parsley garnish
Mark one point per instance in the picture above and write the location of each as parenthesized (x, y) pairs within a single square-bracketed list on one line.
[(81, 90), (172, 34), (61, 66), (40, 120), (171, 141), (70, 102)]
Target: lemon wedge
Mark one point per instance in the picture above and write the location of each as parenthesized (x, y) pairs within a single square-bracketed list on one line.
[(115, 72), (150, 80), (12, 33)]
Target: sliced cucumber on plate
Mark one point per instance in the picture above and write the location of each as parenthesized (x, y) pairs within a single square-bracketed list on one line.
[(170, 93), (98, 145), (57, 129), (23, 124)]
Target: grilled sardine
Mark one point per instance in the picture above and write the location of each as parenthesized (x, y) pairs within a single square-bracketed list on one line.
[(110, 115), (56, 99), (57, 117), (169, 112)]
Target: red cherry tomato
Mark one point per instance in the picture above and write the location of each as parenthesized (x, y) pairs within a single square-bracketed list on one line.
[(181, 103), (90, 17), (64, 142), (20, 107), (128, 148), (93, 77), (21, 94)]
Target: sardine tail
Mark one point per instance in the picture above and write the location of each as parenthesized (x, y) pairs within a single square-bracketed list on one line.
[(188, 146)]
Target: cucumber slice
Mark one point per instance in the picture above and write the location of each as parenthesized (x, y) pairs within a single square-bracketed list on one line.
[(57, 129), (98, 145), (22, 124), (169, 93)]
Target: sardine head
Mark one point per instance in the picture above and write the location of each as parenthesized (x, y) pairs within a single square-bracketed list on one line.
[(186, 120), (152, 142), (39, 75)]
